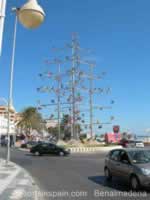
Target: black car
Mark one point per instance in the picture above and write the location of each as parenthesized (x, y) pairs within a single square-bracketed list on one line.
[(49, 148)]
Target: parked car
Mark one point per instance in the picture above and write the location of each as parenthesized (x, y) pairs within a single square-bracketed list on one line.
[(49, 148), (132, 165), (132, 143), (139, 144), (4, 142)]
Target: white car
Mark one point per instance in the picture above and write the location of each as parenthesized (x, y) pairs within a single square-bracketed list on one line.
[(135, 143), (139, 144)]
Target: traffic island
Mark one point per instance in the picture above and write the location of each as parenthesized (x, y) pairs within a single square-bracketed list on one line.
[(93, 149), (84, 149), (90, 146)]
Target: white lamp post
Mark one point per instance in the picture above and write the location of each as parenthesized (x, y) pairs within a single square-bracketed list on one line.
[(30, 15), (2, 17)]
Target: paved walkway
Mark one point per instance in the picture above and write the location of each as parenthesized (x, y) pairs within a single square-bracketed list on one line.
[(16, 183)]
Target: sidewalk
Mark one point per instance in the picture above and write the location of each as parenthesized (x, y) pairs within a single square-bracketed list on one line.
[(16, 183)]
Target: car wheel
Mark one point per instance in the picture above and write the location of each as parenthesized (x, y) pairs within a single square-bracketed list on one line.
[(37, 153), (107, 174), (61, 153), (134, 183)]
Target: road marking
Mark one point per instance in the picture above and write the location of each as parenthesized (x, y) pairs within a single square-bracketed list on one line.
[(23, 182), (5, 182), (17, 194)]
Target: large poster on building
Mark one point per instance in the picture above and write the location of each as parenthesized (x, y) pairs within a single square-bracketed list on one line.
[(116, 129), (112, 137)]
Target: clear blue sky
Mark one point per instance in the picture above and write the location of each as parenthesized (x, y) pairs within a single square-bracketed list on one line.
[(117, 30)]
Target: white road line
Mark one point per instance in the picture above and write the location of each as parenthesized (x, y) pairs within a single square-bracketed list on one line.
[(17, 194), (24, 182), (5, 182)]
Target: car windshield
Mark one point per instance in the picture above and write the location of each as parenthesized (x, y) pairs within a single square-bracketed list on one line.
[(140, 156)]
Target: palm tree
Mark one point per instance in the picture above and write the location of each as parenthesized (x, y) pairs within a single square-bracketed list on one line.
[(31, 119)]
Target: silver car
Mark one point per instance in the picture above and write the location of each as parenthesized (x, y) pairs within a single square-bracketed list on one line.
[(132, 165)]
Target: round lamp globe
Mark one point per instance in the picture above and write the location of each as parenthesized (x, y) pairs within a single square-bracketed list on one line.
[(31, 15)]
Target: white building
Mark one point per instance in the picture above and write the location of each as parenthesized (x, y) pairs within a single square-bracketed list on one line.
[(51, 123), (4, 120), (3, 126)]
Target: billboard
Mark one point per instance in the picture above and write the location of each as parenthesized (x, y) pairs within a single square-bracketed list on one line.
[(116, 129), (112, 137), (115, 136)]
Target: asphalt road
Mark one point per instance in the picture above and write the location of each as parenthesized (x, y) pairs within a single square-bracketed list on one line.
[(76, 177)]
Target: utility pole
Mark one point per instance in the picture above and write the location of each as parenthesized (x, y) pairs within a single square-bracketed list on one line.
[(58, 100), (74, 81), (57, 90), (91, 100), (71, 91)]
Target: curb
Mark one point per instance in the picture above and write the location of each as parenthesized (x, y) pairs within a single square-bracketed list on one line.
[(23, 149), (93, 149)]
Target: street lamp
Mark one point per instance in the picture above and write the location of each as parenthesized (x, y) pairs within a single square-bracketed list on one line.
[(2, 18), (30, 15)]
